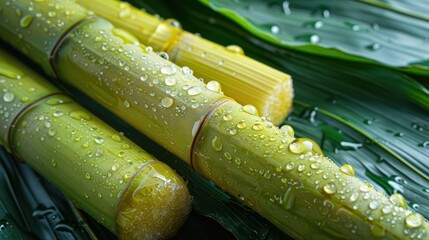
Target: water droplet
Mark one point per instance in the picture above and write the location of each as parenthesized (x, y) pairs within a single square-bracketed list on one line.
[(52, 14), (233, 131), (398, 200), (144, 77), (308, 145), (57, 113), (214, 86), (187, 71), (297, 147), (52, 132), (194, 91), (217, 144), (167, 102), (364, 188), (170, 81), (414, 220), (288, 199), (99, 140), (373, 205), (88, 176), (173, 22), (53, 163), (301, 168), (275, 29), (387, 209), (235, 49), (310, 38), (286, 8), (99, 152), (126, 104), (314, 24), (257, 127), (116, 137), (350, 145), (289, 166), (115, 167), (164, 55), (251, 109), (227, 117), (373, 46), (8, 97), (227, 155), (354, 196), (329, 189), (288, 130), (79, 115), (347, 169), (237, 161), (149, 49), (168, 70), (241, 125), (315, 165), (26, 21), (353, 26), (322, 11)]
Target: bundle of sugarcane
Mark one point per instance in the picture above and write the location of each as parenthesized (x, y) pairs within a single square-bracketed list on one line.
[(107, 175), (286, 180), (244, 79)]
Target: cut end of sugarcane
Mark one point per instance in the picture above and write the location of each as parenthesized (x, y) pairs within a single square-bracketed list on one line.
[(154, 206), (279, 103), (242, 78)]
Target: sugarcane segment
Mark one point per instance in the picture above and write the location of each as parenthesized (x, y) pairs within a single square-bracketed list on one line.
[(24, 20), (17, 93), (104, 173), (290, 182), (132, 81), (246, 80), (157, 198)]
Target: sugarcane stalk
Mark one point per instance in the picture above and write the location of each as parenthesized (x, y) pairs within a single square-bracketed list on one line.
[(104, 173), (244, 79), (286, 180)]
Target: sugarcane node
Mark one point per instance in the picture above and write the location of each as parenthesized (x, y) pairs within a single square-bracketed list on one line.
[(173, 39), (52, 56), (120, 203), (203, 122), (16, 118)]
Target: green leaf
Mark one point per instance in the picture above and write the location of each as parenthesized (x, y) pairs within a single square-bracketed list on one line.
[(369, 116), (363, 31)]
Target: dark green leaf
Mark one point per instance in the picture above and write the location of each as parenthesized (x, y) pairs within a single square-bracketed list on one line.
[(351, 30)]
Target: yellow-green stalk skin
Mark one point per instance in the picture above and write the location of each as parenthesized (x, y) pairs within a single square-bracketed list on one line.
[(244, 79), (105, 174), (287, 180)]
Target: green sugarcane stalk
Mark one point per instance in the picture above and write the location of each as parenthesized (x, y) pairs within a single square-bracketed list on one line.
[(247, 80), (104, 173), (286, 180)]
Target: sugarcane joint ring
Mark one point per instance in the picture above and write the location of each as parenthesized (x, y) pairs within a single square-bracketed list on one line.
[(52, 56), (127, 187), (17, 117), (203, 122)]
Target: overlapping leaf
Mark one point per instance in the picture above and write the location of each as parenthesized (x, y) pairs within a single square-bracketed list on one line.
[(367, 31)]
